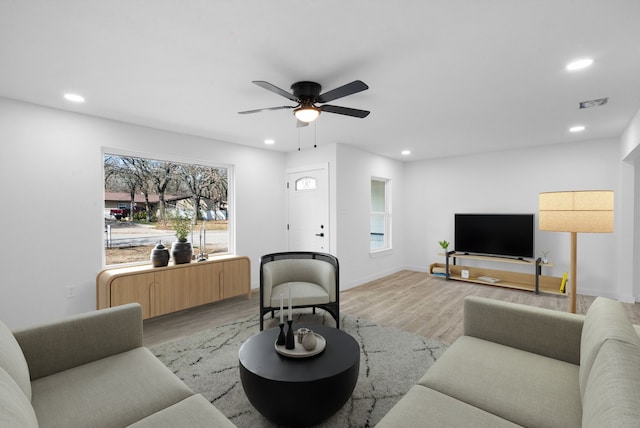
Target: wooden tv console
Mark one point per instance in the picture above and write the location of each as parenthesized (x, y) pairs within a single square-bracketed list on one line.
[(172, 288), (534, 281)]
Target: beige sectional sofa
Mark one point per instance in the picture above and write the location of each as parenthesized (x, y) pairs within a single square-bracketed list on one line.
[(91, 370), (517, 365)]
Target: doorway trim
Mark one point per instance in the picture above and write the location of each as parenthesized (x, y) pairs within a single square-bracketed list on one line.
[(312, 167)]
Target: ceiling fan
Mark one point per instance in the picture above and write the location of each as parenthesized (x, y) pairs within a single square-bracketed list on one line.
[(307, 95)]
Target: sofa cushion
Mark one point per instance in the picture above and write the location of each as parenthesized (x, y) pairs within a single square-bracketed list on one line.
[(422, 407), (525, 388), (606, 319), (303, 270), (612, 395), (80, 339), (302, 293), (550, 333), (114, 391), (15, 408), (192, 412), (12, 360)]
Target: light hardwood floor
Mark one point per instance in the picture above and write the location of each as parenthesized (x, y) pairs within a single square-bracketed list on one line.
[(412, 301)]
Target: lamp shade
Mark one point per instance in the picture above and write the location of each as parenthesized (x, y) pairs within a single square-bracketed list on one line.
[(589, 211)]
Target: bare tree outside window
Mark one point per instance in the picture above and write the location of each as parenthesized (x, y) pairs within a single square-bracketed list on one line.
[(141, 195)]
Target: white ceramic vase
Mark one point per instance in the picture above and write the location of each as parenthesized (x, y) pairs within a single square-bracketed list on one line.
[(309, 341)]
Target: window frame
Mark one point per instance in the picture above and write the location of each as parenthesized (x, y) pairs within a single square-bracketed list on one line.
[(386, 216), (231, 212)]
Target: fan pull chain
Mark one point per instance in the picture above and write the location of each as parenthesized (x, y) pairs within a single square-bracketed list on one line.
[(298, 139)]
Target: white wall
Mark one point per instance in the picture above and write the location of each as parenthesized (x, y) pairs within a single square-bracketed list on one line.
[(310, 156), (627, 224), (630, 139), (51, 172), (509, 182), (630, 246), (635, 246), (52, 216), (353, 204), (350, 173)]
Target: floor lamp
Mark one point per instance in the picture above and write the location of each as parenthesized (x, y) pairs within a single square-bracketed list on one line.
[(585, 211)]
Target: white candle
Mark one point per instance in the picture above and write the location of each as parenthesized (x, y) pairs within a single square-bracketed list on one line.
[(281, 309), (290, 318)]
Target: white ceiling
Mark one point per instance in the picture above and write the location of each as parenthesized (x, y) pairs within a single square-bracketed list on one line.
[(446, 77)]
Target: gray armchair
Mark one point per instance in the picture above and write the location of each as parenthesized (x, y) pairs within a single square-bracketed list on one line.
[(314, 279)]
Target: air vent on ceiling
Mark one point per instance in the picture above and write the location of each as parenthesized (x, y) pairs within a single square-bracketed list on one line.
[(593, 103)]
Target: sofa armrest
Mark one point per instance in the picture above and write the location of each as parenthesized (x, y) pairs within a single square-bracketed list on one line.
[(545, 332), (61, 345)]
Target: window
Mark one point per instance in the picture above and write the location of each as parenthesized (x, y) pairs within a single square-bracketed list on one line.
[(380, 222), (141, 195), (306, 183)]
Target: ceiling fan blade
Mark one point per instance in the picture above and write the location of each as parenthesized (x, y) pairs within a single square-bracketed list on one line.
[(269, 87), (301, 124), (348, 89), (345, 111), (265, 109)]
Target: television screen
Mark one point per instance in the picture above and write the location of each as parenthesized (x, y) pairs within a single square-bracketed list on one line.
[(495, 234)]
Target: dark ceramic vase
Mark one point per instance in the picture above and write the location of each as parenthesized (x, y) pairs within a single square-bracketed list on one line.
[(159, 255), (181, 252)]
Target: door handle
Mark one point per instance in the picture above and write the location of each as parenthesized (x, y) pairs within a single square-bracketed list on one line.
[(320, 234)]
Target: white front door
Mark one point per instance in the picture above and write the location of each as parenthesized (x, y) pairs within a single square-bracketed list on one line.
[(308, 209)]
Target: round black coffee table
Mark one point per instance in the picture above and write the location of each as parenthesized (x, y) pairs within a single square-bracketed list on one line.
[(299, 391)]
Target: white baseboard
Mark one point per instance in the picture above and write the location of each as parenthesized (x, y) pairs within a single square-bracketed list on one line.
[(345, 285)]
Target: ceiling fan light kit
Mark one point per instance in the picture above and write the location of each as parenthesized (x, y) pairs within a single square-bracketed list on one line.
[(307, 95), (306, 113)]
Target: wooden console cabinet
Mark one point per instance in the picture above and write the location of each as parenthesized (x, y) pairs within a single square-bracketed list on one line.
[(175, 287), (534, 281)]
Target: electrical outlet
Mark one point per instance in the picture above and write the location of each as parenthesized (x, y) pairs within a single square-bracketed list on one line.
[(71, 291)]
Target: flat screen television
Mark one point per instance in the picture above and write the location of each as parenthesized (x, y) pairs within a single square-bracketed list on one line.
[(506, 235)]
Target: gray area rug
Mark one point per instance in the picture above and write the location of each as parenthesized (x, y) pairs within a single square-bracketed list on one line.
[(391, 362)]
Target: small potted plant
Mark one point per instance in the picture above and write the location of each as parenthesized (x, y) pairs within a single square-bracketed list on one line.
[(444, 244), (181, 250)]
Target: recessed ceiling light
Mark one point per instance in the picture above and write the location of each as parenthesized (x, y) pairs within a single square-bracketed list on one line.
[(405, 152), (74, 98), (579, 64), (577, 128), (269, 141)]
